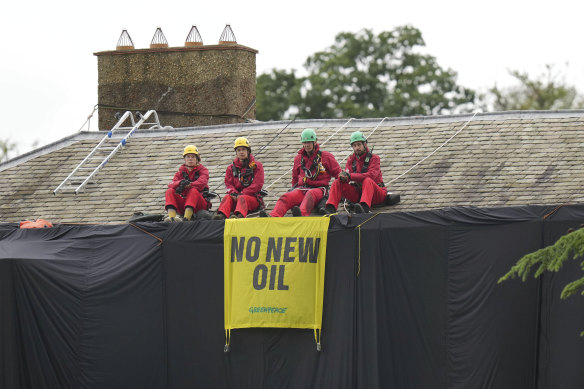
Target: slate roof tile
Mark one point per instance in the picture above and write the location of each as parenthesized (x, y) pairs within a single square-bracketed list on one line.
[(496, 159)]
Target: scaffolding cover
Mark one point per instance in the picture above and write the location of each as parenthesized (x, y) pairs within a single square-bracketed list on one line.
[(141, 306)]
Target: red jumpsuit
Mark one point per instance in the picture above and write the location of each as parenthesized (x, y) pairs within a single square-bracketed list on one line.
[(367, 189), (191, 196), (311, 183), (246, 184)]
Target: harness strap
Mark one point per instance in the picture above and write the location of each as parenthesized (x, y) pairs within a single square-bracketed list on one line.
[(315, 166), (246, 178), (365, 166)]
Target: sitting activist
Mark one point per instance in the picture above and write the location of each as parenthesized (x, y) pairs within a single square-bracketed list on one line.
[(244, 180), (311, 174), (183, 195), (361, 182)]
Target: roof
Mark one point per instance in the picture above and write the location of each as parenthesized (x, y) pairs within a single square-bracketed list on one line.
[(482, 160)]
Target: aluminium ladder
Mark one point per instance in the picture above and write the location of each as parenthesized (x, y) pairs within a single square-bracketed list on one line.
[(85, 172)]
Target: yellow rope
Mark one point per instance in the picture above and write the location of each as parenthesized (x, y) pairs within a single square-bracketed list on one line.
[(359, 228)]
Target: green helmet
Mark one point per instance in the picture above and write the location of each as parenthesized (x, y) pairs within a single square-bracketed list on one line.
[(308, 135), (358, 136)]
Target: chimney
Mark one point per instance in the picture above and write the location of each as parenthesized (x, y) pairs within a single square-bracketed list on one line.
[(190, 85)]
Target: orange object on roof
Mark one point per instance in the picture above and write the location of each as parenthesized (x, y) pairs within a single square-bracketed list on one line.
[(38, 223)]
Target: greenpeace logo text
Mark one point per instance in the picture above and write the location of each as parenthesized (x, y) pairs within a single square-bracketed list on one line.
[(253, 310)]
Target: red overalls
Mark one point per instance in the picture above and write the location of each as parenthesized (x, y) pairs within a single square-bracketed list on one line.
[(310, 181), (246, 182), (199, 176), (367, 191)]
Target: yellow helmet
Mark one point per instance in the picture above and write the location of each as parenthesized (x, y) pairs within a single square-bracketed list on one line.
[(191, 149), (241, 142)]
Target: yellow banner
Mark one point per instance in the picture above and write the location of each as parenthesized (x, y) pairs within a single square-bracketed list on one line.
[(274, 272)]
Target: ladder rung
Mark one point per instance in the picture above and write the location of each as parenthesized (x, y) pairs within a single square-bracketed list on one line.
[(104, 152), (68, 188)]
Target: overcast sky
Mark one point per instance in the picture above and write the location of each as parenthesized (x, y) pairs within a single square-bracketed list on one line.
[(48, 73)]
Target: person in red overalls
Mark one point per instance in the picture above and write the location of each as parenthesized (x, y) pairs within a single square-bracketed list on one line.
[(361, 182), (311, 174), (244, 179), (183, 195)]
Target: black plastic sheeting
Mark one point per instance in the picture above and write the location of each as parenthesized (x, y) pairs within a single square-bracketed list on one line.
[(141, 306)]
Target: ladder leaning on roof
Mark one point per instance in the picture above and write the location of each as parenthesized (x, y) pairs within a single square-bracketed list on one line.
[(103, 152)]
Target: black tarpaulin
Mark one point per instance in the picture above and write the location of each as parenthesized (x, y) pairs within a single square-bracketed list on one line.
[(413, 303)]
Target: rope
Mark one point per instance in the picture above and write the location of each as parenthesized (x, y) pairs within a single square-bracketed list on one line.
[(88, 119), (275, 137), (322, 144), (266, 145), (359, 228), (556, 209), (432, 153), (249, 107), (335, 133), (375, 129), (146, 232), (222, 115)]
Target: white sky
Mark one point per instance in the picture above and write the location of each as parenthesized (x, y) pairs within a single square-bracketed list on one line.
[(48, 73)]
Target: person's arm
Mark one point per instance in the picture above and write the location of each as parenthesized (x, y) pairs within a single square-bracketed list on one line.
[(296, 169), (201, 182), (230, 181), (176, 180)]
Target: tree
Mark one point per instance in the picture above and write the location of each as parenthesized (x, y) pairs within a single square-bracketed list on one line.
[(6, 147), (368, 75), (551, 259), (548, 91), (274, 92)]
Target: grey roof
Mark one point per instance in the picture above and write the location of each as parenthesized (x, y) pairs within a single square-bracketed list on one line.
[(482, 160)]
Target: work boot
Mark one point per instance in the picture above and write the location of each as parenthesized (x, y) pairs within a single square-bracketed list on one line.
[(328, 209), (203, 214), (361, 208), (296, 211), (218, 216), (175, 219)]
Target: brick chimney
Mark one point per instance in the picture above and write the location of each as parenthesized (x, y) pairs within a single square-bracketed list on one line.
[(194, 85)]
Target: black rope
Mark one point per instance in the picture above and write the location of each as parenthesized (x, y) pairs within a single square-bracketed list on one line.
[(276, 136), (225, 115), (267, 144)]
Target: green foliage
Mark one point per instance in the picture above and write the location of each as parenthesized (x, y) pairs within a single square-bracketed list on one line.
[(6, 148), (552, 258), (275, 90), (547, 91), (365, 75)]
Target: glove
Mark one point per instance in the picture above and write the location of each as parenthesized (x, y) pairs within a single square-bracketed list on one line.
[(345, 176)]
